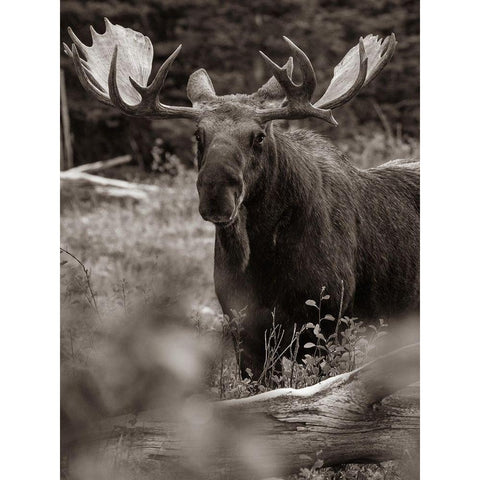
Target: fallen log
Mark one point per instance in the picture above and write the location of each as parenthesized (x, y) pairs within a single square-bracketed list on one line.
[(101, 164), (363, 416), (106, 186)]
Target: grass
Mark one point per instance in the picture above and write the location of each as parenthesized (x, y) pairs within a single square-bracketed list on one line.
[(139, 244), (120, 255)]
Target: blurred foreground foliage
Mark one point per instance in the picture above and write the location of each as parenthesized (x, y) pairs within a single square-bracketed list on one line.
[(224, 37)]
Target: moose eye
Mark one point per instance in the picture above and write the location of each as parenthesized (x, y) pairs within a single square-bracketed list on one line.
[(198, 136), (259, 138)]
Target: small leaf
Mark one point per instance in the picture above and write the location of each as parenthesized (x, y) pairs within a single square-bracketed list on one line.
[(309, 345), (311, 303), (326, 297), (329, 317), (309, 325)]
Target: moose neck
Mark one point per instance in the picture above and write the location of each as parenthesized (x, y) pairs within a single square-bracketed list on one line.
[(293, 186), (288, 182)]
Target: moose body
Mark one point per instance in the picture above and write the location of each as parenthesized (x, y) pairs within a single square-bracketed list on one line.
[(292, 214), (319, 221)]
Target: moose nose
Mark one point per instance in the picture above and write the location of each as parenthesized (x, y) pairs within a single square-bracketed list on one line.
[(215, 217), (219, 188)]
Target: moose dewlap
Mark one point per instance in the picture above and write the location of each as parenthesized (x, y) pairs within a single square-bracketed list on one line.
[(292, 214)]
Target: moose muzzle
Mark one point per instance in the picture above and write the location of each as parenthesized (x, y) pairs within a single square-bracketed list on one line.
[(221, 191)]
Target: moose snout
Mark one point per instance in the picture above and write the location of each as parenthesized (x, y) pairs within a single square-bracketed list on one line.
[(218, 200), (219, 219), (219, 207)]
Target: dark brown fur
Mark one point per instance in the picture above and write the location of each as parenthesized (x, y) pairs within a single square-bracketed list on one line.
[(312, 219)]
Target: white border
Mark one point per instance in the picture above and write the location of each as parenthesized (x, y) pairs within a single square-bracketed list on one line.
[(450, 78), (29, 346), (30, 239)]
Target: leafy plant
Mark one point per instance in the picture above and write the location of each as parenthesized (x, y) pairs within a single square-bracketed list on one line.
[(345, 349)]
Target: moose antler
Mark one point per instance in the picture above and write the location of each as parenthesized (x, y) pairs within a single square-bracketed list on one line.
[(298, 95), (116, 69), (360, 65)]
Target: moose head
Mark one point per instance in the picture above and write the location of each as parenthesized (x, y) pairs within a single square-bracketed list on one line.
[(234, 132)]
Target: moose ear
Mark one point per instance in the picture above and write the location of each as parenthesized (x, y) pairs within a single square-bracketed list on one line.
[(200, 87)]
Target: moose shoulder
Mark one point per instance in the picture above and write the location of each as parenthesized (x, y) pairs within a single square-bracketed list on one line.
[(319, 221), (292, 214)]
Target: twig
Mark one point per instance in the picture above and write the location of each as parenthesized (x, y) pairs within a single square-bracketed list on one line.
[(271, 352), (124, 297), (295, 353), (71, 342), (383, 119), (339, 319), (87, 277)]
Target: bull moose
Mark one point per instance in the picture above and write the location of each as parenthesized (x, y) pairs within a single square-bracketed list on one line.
[(292, 214)]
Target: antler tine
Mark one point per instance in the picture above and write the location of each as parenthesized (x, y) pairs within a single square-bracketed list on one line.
[(157, 84), (298, 95), (389, 45), (86, 80), (356, 86), (85, 66), (280, 73), (113, 90), (76, 41), (309, 79), (69, 52)]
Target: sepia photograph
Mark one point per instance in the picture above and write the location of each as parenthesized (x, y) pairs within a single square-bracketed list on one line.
[(239, 240)]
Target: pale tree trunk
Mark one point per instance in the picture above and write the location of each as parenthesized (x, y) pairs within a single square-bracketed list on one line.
[(367, 415), (66, 153)]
